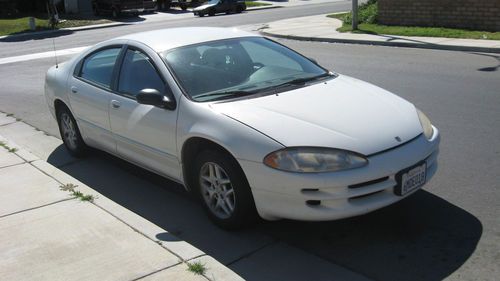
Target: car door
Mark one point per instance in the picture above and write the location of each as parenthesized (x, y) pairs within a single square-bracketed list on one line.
[(90, 93), (144, 134), (223, 6)]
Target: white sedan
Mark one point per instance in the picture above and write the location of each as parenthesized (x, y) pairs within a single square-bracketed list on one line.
[(248, 125)]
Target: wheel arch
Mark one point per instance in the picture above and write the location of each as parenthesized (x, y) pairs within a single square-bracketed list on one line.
[(191, 148), (58, 104)]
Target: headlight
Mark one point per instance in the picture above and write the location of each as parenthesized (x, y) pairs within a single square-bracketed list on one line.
[(314, 160), (426, 124)]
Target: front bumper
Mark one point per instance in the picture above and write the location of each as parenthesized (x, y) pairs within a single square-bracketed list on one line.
[(341, 194)]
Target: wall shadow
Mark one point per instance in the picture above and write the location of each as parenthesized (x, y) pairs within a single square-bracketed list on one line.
[(420, 238)]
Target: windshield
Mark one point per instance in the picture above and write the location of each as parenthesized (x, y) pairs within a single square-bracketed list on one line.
[(212, 2), (239, 66)]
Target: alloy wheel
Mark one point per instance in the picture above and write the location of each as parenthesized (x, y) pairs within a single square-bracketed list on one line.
[(217, 190), (69, 131)]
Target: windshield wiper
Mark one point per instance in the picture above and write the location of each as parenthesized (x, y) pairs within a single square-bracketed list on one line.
[(300, 81), (238, 93)]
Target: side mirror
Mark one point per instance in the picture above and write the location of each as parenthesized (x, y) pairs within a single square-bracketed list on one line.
[(154, 97)]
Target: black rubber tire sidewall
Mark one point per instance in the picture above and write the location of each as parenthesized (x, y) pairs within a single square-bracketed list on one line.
[(245, 213), (81, 147)]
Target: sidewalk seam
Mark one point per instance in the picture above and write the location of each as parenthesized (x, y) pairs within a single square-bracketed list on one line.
[(156, 271), (37, 207), (12, 165)]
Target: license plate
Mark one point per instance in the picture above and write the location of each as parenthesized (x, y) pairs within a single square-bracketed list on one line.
[(410, 178)]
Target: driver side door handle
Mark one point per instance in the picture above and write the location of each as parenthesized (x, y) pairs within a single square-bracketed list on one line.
[(115, 104)]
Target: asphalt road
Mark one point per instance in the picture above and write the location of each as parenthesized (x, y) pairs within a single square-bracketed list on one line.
[(449, 230)]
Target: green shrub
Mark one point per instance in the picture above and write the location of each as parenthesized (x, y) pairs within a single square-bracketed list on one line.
[(367, 13)]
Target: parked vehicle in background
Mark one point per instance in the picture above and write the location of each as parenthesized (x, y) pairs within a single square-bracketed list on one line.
[(213, 7), (150, 6), (184, 4), (165, 5), (116, 8)]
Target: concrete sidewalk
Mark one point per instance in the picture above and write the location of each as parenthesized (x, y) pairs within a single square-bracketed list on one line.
[(48, 234), (322, 28)]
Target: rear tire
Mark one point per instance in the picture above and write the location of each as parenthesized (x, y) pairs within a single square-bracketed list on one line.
[(70, 133), (223, 190)]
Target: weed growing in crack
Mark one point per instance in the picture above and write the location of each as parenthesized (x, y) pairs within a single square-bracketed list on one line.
[(9, 149), (196, 268), (75, 193)]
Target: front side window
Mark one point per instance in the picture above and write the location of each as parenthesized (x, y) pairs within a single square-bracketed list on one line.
[(98, 67), (138, 73), (239, 66)]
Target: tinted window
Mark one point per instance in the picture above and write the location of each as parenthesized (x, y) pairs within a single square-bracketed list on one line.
[(98, 67), (138, 73)]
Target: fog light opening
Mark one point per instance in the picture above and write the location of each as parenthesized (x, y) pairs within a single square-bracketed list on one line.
[(313, 202)]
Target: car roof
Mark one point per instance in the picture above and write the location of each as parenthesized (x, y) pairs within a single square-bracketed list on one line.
[(166, 39)]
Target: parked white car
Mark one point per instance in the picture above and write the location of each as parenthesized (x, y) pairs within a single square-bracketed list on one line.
[(245, 123)]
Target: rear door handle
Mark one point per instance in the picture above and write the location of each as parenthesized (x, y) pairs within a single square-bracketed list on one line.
[(115, 104), (74, 89)]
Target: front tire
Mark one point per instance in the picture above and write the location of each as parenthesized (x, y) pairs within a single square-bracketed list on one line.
[(70, 133), (223, 190)]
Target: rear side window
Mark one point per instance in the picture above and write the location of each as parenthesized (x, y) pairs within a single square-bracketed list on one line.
[(98, 67), (138, 73)]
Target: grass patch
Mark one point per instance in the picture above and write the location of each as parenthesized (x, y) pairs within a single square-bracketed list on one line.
[(75, 193), (9, 149), (18, 25), (255, 4), (197, 268), (21, 25), (420, 31)]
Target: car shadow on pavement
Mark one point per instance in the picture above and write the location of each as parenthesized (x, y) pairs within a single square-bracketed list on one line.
[(423, 237), (21, 37)]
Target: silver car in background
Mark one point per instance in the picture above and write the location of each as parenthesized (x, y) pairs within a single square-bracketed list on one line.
[(246, 124)]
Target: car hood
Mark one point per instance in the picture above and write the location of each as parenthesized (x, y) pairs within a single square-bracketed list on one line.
[(203, 7), (343, 113)]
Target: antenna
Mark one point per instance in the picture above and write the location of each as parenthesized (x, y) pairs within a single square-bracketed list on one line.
[(55, 53)]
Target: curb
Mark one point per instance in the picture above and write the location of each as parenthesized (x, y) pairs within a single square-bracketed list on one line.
[(382, 43)]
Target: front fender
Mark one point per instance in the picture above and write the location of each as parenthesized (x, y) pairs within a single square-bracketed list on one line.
[(242, 141)]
